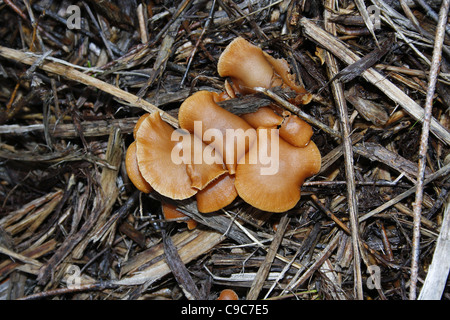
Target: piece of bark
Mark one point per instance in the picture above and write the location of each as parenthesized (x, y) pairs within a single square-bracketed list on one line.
[(133, 234), (6, 267), (178, 268), (102, 205), (376, 152), (108, 192), (366, 108), (355, 69), (190, 245), (264, 269)]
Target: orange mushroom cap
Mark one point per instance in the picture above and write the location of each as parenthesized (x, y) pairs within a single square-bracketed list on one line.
[(133, 172), (199, 171), (228, 294), (156, 149), (217, 195), (291, 128), (138, 123), (202, 107), (279, 190), (155, 152), (263, 117), (249, 67), (131, 163), (170, 212), (295, 130)]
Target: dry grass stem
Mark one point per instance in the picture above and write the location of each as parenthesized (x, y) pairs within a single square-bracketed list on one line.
[(371, 224)]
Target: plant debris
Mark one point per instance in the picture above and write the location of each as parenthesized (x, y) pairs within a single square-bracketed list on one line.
[(75, 76)]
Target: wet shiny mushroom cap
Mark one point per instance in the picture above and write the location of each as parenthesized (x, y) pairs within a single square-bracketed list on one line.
[(138, 123), (292, 129), (228, 294), (160, 156), (154, 154), (133, 171), (217, 195), (275, 186), (248, 66), (216, 126)]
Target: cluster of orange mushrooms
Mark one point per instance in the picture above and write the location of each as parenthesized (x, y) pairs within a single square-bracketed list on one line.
[(150, 167)]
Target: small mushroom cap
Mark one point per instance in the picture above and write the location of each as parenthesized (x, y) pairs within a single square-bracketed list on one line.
[(217, 195), (247, 66), (295, 130), (133, 172), (154, 155), (228, 294), (170, 212), (292, 129), (263, 117), (280, 190), (202, 107)]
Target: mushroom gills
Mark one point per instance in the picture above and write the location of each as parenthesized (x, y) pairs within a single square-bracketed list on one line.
[(161, 159)]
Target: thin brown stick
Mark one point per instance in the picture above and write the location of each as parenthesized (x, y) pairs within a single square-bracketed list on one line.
[(16, 9), (330, 214), (339, 97), (263, 271), (434, 71), (178, 268), (296, 110), (322, 256), (75, 75), (438, 174)]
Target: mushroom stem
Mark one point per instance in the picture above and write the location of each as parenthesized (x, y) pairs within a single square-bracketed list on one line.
[(171, 213)]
